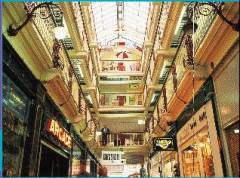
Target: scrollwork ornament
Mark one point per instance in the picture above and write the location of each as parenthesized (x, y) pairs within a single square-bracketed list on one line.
[(197, 9), (41, 10), (203, 9)]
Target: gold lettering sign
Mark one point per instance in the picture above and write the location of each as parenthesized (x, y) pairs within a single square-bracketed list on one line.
[(58, 131)]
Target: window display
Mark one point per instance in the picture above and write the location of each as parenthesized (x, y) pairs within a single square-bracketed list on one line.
[(200, 150), (15, 111), (196, 140), (168, 164)]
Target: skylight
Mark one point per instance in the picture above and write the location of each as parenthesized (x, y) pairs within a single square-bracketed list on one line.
[(120, 20)]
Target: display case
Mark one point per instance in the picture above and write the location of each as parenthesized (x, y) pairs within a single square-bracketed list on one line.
[(15, 116)]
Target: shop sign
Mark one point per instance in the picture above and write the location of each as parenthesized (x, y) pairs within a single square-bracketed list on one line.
[(111, 157), (164, 144), (58, 132), (196, 123)]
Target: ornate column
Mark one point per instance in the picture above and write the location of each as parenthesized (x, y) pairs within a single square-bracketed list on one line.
[(37, 110)]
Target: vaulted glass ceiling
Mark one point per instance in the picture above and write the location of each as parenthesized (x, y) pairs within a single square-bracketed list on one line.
[(121, 20)]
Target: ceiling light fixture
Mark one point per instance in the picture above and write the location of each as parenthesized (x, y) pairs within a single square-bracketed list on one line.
[(60, 32), (30, 14), (236, 131), (141, 122)]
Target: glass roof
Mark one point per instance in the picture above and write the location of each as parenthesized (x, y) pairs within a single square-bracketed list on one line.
[(120, 20)]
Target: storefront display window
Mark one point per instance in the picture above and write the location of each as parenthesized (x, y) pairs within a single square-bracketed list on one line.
[(196, 152), (196, 141), (168, 168), (168, 164), (15, 114)]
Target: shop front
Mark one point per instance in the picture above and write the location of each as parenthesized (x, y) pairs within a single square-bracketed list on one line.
[(226, 83), (37, 140), (198, 145), (19, 93), (155, 162), (168, 164), (15, 119), (55, 145), (77, 158)]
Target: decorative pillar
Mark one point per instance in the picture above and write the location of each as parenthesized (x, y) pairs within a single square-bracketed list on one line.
[(35, 134), (147, 50), (95, 56)]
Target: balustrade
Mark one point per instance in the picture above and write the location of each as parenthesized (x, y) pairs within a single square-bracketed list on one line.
[(124, 139), (116, 100)]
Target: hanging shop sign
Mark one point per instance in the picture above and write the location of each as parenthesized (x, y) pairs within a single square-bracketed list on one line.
[(164, 144), (55, 129)]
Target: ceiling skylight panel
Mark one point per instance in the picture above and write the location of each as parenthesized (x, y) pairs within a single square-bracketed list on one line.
[(105, 20), (132, 23), (135, 20), (134, 39)]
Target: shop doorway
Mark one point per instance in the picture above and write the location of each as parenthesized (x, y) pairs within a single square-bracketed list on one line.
[(52, 164)]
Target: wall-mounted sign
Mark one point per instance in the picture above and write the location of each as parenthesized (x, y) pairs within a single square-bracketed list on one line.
[(111, 157), (164, 144), (54, 128)]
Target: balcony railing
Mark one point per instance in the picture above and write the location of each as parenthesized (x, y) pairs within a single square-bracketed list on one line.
[(121, 66), (123, 139), (119, 100), (204, 23), (80, 26)]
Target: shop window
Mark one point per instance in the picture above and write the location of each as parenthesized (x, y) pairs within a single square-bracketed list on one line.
[(14, 99), (15, 114), (232, 134), (197, 157)]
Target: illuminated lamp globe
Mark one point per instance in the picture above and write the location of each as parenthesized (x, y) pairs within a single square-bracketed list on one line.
[(60, 32)]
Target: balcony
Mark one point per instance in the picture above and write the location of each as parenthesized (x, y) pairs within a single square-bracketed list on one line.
[(123, 140), (121, 66), (120, 100)]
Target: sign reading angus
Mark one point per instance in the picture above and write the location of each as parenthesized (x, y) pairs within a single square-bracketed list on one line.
[(164, 144)]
